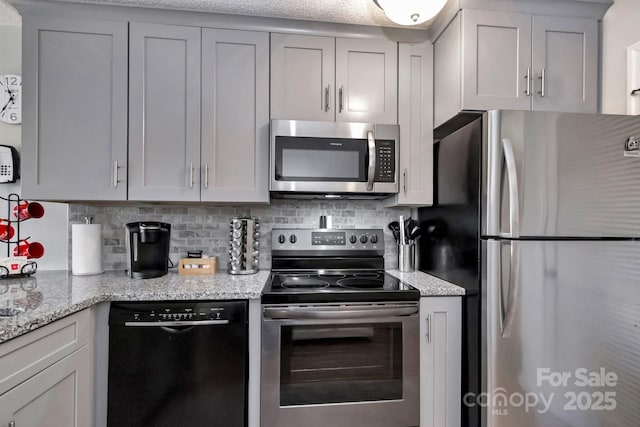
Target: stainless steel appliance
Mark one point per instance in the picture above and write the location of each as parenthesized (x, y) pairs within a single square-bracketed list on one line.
[(147, 249), (537, 215), (340, 338), (244, 245), (178, 364), (327, 159)]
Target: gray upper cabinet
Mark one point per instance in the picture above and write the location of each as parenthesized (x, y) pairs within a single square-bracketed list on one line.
[(415, 116), (565, 52), (366, 80), (75, 109), (324, 78), (235, 116), (497, 53), (164, 112), (495, 60), (302, 77)]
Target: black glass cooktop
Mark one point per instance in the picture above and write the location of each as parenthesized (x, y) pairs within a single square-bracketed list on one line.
[(366, 286)]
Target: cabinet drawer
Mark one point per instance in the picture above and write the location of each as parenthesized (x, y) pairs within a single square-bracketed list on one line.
[(27, 355)]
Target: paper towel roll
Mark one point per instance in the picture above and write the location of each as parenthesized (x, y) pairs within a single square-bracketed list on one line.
[(86, 249)]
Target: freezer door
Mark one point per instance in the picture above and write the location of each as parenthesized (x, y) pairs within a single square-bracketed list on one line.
[(561, 175), (562, 334)]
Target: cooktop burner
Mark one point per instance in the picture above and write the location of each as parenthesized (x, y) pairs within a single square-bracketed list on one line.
[(331, 265)]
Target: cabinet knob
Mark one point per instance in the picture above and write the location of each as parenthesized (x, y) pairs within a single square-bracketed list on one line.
[(527, 90), (404, 176), (340, 99), (115, 175), (542, 82), (327, 98)]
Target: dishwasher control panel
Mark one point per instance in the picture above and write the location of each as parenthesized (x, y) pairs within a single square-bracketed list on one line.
[(174, 312)]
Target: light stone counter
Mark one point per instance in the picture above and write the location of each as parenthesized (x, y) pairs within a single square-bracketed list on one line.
[(427, 284), (50, 295)]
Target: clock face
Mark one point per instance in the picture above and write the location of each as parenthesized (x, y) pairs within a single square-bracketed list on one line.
[(11, 98)]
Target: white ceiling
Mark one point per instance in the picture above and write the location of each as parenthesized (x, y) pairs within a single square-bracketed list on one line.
[(364, 12)]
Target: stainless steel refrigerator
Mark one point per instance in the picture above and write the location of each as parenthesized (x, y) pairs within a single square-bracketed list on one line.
[(537, 215)]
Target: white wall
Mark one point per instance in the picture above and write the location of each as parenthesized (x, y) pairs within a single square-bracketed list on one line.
[(52, 229), (621, 29)]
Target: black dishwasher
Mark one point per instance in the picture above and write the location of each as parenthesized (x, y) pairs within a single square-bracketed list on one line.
[(178, 363)]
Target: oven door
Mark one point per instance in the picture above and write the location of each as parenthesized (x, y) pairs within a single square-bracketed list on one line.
[(340, 365), (324, 157)]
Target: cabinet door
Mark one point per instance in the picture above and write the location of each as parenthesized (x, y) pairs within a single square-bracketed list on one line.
[(235, 111), (565, 51), (440, 361), (415, 116), (75, 109), (164, 112), (302, 77), (367, 81), (496, 60), (59, 396), (447, 69)]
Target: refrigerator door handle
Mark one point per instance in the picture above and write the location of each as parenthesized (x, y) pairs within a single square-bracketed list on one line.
[(512, 177), (507, 311)]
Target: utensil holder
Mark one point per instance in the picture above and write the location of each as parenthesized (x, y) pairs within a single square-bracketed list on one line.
[(244, 245), (407, 257)]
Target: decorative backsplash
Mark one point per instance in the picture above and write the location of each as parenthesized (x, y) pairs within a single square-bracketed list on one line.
[(207, 227)]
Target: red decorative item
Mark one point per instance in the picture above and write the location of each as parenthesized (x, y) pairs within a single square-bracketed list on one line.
[(29, 249), (25, 210), (6, 230)]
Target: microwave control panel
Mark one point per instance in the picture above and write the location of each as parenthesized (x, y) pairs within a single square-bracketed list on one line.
[(386, 161)]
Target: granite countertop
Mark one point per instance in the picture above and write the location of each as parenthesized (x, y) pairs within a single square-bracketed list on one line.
[(427, 284), (51, 295)]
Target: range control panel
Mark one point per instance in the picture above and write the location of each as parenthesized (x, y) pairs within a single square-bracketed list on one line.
[(328, 240)]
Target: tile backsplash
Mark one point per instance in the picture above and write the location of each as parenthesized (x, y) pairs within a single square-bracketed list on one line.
[(207, 227)]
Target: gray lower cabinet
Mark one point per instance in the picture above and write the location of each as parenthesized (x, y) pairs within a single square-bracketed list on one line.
[(361, 88), (74, 132), (164, 112), (46, 376), (235, 116), (440, 361), (415, 117)]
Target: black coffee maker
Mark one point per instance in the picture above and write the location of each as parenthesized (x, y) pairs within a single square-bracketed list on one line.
[(147, 249)]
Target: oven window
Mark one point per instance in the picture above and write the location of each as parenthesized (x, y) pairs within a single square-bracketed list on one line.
[(335, 363)]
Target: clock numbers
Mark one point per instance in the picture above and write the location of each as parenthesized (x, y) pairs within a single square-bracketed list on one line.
[(11, 98)]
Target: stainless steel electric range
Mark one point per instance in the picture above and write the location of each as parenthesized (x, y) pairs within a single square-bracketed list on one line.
[(340, 340)]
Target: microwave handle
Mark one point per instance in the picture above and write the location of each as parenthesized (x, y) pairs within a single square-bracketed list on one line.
[(372, 160)]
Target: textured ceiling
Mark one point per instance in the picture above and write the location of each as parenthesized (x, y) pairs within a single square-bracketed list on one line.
[(363, 12)]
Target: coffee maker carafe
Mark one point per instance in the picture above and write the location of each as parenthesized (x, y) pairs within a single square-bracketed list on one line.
[(147, 249)]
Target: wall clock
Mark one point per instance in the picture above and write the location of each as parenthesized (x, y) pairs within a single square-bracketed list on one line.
[(11, 98)]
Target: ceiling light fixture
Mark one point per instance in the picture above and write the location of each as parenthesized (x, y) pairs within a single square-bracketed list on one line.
[(410, 12)]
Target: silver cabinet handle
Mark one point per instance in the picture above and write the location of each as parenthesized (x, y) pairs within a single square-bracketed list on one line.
[(206, 175), (527, 90), (404, 178), (115, 173), (542, 82), (512, 176), (178, 323), (191, 175), (327, 98), (428, 327), (340, 99), (372, 160), (337, 314)]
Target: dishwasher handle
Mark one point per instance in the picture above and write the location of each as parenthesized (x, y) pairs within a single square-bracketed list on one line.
[(174, 323), (337, 314)]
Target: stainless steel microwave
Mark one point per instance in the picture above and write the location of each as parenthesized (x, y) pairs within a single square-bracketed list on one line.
[(333, 160)]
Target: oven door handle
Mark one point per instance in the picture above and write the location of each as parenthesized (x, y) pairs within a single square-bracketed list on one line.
[(336, 314), (371, 141)]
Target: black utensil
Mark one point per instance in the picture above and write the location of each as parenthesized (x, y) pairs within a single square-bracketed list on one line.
[(394, 226)]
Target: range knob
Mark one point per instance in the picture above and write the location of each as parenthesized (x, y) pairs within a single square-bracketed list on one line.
[(281, 239), (293, 238), (374, 239), (353, 238), (363, 239)]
